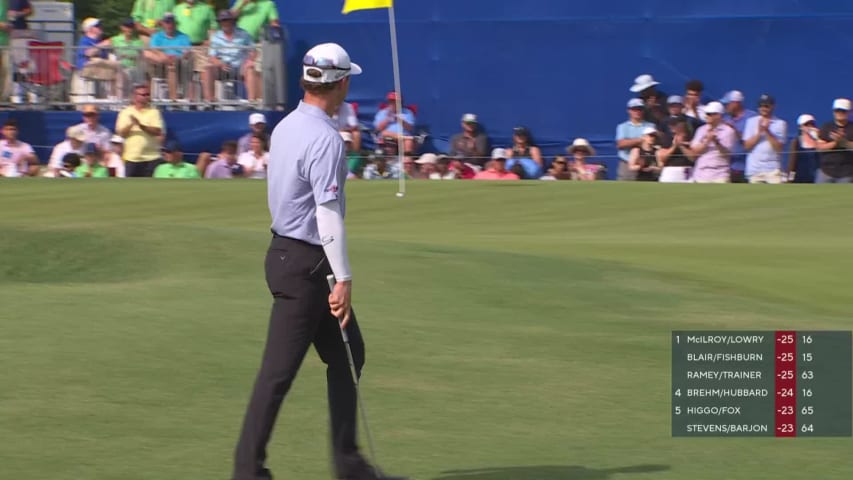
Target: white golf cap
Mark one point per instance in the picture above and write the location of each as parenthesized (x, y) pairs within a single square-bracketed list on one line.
[(643, 82), (733, 96), (347, 136), (75, 133), (327, 63), (90, 22), (675, 100), (804, 119), (430, 158), (117, 139), (636, 103), (498, 153), (469, 118), (714, 107), (650, 131), (841, 104), (257, 118)]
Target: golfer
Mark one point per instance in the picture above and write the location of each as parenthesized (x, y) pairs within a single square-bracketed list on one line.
[(306, 174)]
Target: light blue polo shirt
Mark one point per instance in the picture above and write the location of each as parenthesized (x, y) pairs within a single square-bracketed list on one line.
[(307, 167), (628, 130), (763, 158), (394, 127), (234, 51), (738, 153)]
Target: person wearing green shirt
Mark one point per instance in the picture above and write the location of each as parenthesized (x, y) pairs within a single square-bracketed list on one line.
[(195, 19), (147, 15), (253, 15), (127, 47), (175, 166), (4, 25), (5, 61), (91, 166)]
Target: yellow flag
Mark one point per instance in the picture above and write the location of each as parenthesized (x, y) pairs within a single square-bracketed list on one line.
[(353, 5)]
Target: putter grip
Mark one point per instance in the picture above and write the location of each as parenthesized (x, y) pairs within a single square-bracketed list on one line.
[(330, 279)]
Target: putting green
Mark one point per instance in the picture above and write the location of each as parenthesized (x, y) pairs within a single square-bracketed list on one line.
[(515, 331)]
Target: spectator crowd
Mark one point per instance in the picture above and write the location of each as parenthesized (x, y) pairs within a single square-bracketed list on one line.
[(185, 52), (665, 138), (176, 48), (137, 146), (670, 139)]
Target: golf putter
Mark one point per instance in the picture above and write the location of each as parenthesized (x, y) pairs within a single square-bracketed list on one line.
[(331, 280)]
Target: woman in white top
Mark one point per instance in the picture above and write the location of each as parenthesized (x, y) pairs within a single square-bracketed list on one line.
[(254, 161)]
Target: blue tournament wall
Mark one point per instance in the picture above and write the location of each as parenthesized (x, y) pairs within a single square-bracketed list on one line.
[(196, 131), (563, 67)]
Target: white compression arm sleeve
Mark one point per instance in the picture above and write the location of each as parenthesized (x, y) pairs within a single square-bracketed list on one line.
[(330, 224)]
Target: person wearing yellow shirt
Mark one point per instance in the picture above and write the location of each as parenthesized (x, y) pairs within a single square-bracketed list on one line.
[(142, 128)]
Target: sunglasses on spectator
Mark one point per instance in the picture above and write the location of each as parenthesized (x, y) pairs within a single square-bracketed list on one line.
[(322, 63)]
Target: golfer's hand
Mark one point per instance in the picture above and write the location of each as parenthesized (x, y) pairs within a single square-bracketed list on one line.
[(340, 301)]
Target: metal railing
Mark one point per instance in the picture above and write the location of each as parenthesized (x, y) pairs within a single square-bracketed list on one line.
[(50, 75)]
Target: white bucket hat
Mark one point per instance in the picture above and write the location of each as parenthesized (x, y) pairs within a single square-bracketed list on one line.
[(643, 82), (581, 144)]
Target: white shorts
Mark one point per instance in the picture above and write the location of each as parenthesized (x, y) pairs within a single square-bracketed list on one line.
[(676, 175), (766, 177)]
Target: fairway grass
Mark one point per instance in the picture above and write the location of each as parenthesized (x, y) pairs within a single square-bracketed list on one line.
[(514, 330)]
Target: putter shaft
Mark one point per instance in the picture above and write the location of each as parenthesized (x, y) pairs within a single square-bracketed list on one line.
[(331, 281)]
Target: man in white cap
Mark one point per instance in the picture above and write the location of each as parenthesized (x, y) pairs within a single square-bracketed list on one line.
[(835, 143), (257, 125), (472, 143), (305, 181), (711, 147), (629, 134), (675, 107), (92, 55), (736, 115)]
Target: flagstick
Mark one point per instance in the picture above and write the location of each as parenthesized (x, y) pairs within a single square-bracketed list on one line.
[(396, 63)]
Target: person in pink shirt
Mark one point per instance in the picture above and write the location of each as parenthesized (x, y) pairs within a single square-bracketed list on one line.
[(17, 158), (712, 146), (497, 168)]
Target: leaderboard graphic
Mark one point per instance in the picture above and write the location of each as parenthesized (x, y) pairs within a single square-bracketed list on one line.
[(762, 383)]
